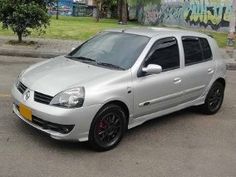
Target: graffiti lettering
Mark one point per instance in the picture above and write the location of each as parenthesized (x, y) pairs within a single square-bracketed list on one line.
[(214, 14)]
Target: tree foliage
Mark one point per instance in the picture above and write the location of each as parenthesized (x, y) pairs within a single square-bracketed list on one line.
[(24, 15)]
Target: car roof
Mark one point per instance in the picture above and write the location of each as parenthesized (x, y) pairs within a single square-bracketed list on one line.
[(155, 31)]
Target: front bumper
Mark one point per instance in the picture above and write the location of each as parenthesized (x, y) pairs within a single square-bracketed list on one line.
[(79, 118)]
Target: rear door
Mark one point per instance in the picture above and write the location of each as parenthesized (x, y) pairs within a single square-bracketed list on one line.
[(199, 67)]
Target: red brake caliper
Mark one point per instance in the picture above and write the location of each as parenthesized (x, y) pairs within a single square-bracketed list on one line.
[(101, 126)]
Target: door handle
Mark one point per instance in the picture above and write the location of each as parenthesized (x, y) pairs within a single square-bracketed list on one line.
[(177, 80), (210, 71)]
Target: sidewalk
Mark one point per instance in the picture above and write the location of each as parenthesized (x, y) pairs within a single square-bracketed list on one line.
[(230, 61), (44, 48), (48, 48)]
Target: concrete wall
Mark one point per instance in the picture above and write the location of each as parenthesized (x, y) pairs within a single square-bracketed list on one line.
[(90, 2), (210, 14)]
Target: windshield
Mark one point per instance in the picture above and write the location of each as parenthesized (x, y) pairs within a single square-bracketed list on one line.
[(111, 49)]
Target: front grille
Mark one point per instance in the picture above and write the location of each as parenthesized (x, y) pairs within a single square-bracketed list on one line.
[(42, 98), (21, 87), (64, 129)]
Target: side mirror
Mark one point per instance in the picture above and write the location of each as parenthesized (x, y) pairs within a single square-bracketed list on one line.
[(152, 69)]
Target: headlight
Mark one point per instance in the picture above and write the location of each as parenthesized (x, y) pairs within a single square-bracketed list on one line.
[(72, 98)]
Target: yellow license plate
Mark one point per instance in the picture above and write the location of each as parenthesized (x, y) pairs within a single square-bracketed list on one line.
[(25, 112)]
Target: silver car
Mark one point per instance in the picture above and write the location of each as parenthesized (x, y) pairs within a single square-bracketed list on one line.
[(119, 79)]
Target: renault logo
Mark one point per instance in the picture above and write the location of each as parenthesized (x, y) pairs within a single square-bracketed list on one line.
[(27, 95)]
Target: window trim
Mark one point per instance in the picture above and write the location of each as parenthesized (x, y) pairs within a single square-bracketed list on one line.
[(150, 52), (203, 58)]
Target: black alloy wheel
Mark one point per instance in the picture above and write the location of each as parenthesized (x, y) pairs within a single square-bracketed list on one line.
[(107, 128), (214, 98)]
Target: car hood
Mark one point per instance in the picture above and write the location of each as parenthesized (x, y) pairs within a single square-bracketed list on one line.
[(58, 74)]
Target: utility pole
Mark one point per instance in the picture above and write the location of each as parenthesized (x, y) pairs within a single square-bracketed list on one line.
[(232, 25), (233, 18)]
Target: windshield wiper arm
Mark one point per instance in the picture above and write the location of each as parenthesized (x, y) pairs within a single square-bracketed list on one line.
[(81, 58), (110, 65), (98, 63)]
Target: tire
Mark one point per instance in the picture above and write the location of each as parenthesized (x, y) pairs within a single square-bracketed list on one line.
[(214, 99), (107, 128)]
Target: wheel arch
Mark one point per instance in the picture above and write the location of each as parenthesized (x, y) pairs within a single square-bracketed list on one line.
[(221, 80), (122, 105)]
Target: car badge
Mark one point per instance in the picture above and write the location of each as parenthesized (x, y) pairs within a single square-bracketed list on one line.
[(27, 95)]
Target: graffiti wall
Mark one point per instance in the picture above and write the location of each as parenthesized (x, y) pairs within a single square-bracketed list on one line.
[(210, 14)]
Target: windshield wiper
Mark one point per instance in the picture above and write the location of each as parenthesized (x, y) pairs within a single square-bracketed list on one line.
[(81, 58), (110, 65), (85, 59)]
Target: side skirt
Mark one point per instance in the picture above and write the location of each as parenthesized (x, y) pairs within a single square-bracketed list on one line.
[(140, 120)]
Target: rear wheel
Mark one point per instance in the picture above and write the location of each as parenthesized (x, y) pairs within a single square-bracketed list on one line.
[(214, 99), (107, 128)]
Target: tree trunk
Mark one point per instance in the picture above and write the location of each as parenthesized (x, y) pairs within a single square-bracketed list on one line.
[(57, 15), (97, 11), (19, 34), (124, 12), (119, 10)]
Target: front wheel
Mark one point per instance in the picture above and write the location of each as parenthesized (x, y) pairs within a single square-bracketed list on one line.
[(214, 99), (107, 128)]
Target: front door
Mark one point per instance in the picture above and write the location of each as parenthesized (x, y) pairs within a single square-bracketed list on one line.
[(156, 92)]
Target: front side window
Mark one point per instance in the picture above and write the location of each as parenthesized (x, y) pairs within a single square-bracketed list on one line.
[(112, 49), (165, 52), (196, 50)]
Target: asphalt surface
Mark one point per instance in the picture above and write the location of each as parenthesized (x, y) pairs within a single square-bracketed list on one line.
[(182, 144)]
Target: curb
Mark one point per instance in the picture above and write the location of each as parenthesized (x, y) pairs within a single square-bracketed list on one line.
[(29, 53), (231, 66), (47, 55)]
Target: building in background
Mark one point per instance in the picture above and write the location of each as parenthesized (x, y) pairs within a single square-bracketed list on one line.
[(73, 8), (83, 8)]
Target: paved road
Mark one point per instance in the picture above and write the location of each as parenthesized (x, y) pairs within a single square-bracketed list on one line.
[(183, 144)]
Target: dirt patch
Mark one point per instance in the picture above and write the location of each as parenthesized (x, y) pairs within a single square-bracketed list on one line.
[(23, 43)]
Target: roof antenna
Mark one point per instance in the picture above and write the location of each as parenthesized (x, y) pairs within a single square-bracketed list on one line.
[(123, 30)]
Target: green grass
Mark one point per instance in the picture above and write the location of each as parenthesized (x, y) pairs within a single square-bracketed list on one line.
[(220, 37), (82, 28), (78, 28)]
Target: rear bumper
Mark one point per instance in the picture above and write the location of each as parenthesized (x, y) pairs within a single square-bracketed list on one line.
[(79, 120)]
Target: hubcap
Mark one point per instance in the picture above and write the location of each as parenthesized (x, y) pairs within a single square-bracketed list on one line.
[(108, 129)]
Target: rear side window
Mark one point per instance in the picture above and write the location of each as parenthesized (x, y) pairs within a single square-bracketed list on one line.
[(165, 52), (206, 49), (196, 50)]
